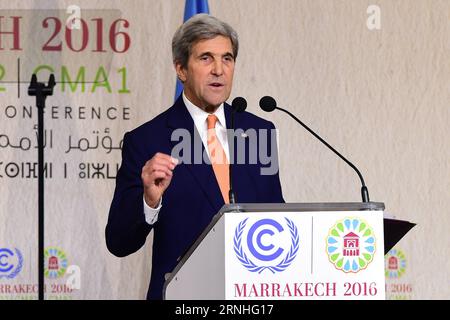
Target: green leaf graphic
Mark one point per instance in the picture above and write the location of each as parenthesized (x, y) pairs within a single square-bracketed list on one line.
[(362, 263), (334, 257), (367, 256)]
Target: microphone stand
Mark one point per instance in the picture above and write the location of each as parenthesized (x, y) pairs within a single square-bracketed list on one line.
[(231, 194), (364, 190), (239, 104), (41, 91)]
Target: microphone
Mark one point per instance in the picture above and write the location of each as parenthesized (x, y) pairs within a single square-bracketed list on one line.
[(269, 104), (239, 104)]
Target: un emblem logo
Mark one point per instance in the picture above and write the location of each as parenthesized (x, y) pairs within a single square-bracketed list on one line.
[(260, 242), (11, 263)]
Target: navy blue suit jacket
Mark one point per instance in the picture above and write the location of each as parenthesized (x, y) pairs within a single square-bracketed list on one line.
[(192, 198)]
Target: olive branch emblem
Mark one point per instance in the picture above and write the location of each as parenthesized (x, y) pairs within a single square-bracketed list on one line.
[(250, 265), (16, 271)]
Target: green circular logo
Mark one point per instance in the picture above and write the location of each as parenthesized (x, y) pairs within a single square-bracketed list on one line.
[(351, 245), (55, 263), (394, 264)]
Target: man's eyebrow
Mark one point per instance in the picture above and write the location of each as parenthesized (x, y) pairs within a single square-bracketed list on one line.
[(228, 54), (207, 53)]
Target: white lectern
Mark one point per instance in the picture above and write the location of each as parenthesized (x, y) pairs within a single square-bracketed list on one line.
[(288, 251)]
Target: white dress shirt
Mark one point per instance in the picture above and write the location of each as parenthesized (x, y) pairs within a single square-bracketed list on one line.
[(199, 116)]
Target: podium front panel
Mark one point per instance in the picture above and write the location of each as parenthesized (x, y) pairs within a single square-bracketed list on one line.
[(308, 255), (285, 251)]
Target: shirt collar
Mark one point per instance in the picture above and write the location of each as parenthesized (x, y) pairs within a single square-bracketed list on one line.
[(199, 116)]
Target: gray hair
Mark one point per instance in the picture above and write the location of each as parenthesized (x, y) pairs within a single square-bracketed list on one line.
[(200, 27)]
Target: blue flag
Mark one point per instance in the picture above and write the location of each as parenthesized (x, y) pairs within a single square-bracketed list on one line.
[(191, 8)]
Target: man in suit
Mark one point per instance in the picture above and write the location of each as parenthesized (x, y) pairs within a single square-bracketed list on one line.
[(173, 193)]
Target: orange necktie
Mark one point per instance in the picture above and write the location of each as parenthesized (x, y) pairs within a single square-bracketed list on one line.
[(218, 158)]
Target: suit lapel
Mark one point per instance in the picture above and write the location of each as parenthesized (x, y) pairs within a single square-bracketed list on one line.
[(179, 118)]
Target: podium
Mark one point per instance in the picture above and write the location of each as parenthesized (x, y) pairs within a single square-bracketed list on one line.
[(288, 251)]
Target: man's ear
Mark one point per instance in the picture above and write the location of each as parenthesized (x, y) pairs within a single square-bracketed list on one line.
[(181, 72)]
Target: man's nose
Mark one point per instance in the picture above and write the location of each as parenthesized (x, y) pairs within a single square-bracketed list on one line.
[(217, 68)]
